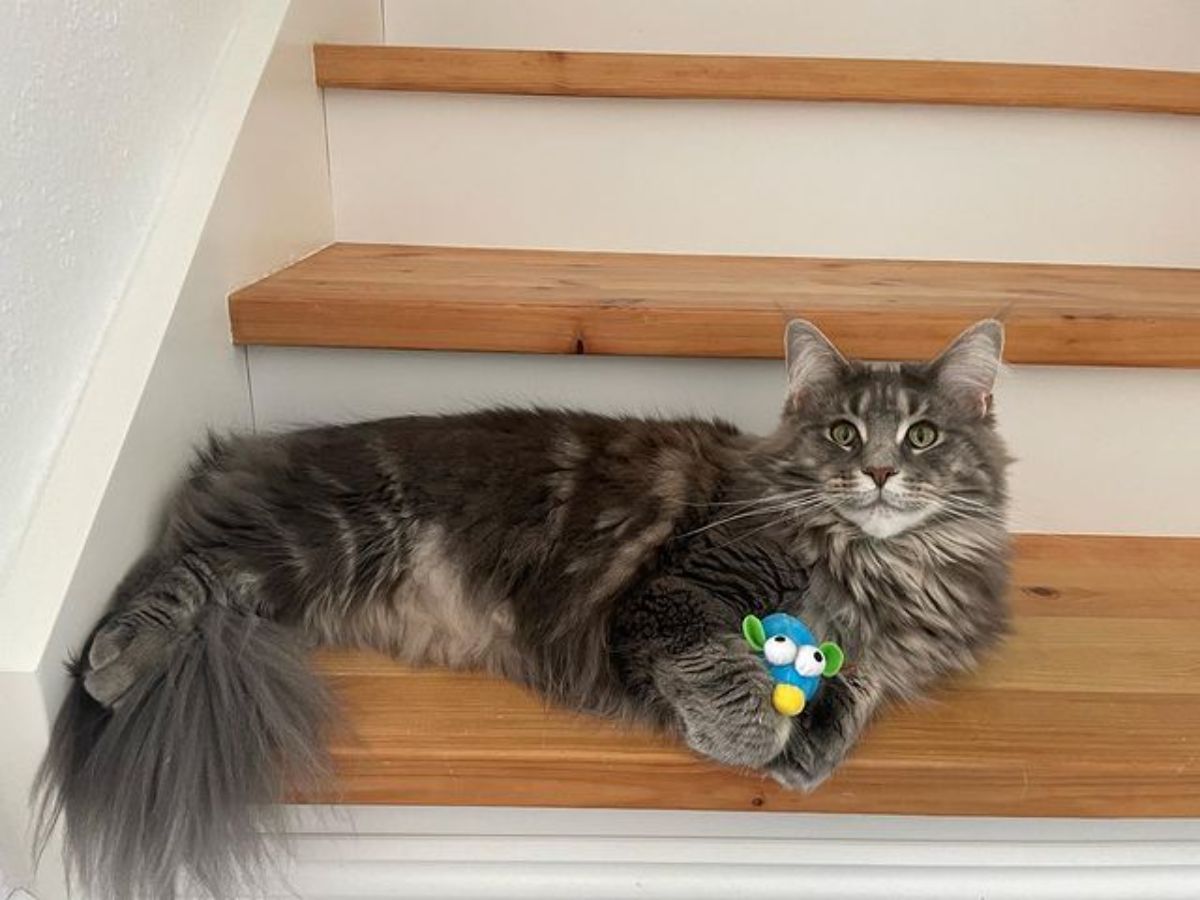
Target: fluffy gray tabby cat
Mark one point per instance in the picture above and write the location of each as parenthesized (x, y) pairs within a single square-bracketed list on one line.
[(606, 562)]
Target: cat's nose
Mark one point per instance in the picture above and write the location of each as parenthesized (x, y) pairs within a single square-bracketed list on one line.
[(879, 474)]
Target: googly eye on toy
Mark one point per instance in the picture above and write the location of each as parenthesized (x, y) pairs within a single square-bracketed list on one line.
[(780, 650)]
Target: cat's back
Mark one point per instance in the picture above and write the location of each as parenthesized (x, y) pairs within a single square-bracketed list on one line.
[(560, 495), (511, 459), (503, 488)]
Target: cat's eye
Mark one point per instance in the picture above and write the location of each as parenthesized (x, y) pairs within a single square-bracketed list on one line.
[(780, 650), (922, 435), (810, 660), (843, 433)]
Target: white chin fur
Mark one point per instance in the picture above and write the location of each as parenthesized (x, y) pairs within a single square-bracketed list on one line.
[(884, 522)]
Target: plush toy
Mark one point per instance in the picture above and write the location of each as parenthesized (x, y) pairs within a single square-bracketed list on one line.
[(794, 658)]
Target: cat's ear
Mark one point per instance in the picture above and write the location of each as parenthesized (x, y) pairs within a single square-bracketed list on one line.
[(966, 370), (813, 363)]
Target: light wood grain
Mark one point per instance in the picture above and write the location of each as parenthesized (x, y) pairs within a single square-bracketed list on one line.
[(536, 301), (1092, 709), (678, 76)]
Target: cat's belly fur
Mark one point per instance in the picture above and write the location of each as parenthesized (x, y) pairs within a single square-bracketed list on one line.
[(432, 617)]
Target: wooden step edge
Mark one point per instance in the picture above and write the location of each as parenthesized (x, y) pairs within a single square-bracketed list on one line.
[(713, 77), (560, 302)]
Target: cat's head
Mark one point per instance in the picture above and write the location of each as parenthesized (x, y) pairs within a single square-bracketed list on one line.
[(890, 447)]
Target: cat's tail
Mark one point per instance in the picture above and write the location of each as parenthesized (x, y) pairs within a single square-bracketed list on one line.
[(173, 782)]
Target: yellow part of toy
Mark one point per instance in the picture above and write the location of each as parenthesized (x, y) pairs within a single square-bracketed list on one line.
[(787, 699)]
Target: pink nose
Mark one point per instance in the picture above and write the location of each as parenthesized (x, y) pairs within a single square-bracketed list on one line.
[(879, 474)]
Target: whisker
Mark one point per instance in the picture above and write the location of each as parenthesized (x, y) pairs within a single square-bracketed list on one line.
[(974, 507), (733, 518), (974, 515), (784, 495), (778, 507), (747, 534)]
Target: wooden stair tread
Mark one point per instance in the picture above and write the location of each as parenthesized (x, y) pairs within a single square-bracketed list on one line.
[(1091, 709), (576, 73), (544, 301)]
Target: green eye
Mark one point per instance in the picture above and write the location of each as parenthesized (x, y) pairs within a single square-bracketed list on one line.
[(922, 435), (843, 433)]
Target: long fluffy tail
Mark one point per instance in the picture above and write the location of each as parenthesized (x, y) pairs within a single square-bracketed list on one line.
[(175, 784)]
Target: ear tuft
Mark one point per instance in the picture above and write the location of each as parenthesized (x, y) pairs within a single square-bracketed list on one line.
[(812, 360), (966, 370)]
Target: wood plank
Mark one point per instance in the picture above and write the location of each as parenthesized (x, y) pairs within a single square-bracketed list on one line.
[(541, 301), (1090, 710), (711, 77)]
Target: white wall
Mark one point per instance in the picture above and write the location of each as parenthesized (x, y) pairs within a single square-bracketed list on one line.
[(99, 98), (57, 525), (270, 206), (273, 207)]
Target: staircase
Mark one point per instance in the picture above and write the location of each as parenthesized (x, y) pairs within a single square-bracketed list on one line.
[(557, 220)]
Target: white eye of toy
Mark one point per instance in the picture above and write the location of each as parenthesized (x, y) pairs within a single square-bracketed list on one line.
[(779, 650), (810, 660)]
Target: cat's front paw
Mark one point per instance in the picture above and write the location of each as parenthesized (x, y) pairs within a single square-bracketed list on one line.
[(722, 698), (803, 766), (823, 736)]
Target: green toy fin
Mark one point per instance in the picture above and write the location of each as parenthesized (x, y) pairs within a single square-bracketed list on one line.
[(834, 657), (752, 631)]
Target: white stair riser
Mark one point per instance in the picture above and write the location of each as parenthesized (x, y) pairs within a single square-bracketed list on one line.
[(1099, 450), (462, 852), (1153, 34), (844, 180)]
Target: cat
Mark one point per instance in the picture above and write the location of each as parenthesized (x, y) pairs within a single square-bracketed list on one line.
[(605, 562)]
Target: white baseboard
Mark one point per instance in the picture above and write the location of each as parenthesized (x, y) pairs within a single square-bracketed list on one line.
[(420, 852)]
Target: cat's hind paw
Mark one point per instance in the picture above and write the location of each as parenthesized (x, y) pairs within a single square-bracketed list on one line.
[(122, 651)]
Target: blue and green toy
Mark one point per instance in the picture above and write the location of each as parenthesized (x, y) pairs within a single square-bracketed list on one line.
[(793, 657)]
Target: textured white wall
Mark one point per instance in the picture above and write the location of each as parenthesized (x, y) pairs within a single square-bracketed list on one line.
[(271, 206), (99, 98)]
